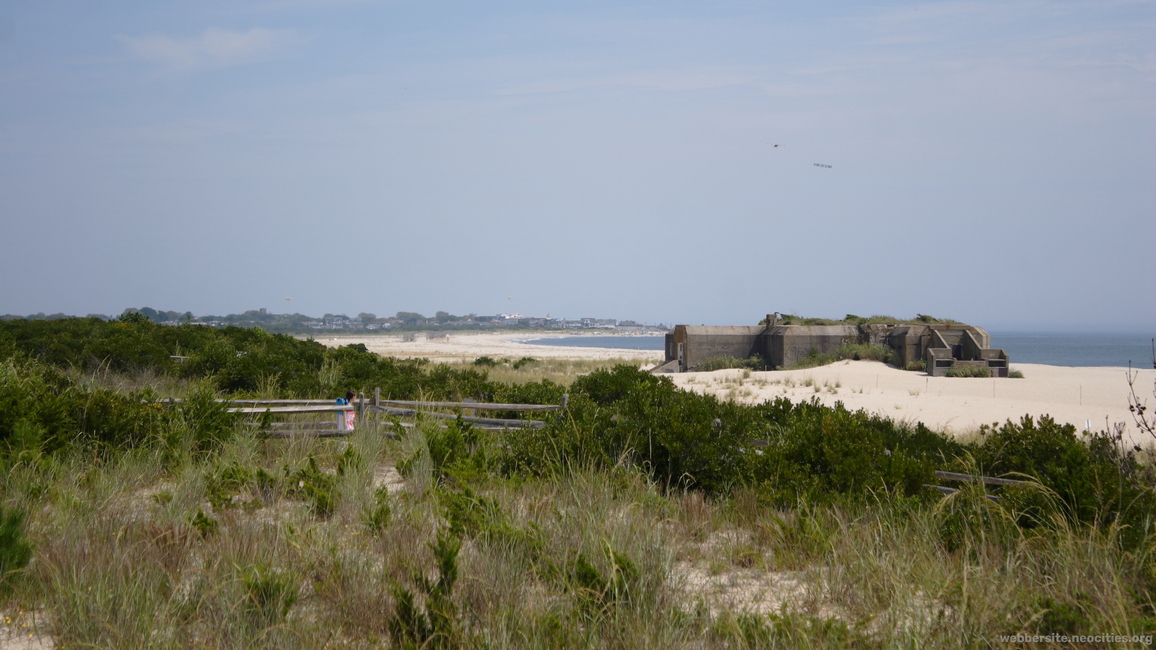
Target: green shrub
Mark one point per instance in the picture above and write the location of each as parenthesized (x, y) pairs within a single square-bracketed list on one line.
[(204, 524), (455, 449), (234, 359), (15, 551), (968, 371), (1059, 617), (41, 402), (485, 362), (816, 450), (315, 486), (349, 461), (1097, 481), (376, 518), (269, 594), (687, 439), (482, 519), (1015, 374), (598, 592), (226, 483), (431, 623)]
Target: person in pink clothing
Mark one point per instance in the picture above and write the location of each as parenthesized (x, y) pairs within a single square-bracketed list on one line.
[(346, 419)]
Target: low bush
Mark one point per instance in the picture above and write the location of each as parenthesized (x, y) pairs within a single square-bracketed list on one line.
[(692, 440), (377, 516), (968, 371), (269, 594), (313, 485), (1097, 480), (52, 411)]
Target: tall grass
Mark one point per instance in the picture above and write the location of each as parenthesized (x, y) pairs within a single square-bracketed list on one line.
[(582, 558)]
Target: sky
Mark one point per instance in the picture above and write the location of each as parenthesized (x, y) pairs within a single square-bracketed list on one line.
[(991, 162)]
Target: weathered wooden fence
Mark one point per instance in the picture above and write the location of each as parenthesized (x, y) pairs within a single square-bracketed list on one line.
[(971, 478), (376, 407)]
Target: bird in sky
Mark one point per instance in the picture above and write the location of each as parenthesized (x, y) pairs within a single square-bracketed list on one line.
[(775, 145)]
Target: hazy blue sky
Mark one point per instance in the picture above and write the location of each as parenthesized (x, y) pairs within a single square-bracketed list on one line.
[(994, 162)]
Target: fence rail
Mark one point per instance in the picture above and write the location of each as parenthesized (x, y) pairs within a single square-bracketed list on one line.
[(376, 406), (969, 478)]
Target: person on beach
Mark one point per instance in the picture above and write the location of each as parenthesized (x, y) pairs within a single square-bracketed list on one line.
[(346, 419)]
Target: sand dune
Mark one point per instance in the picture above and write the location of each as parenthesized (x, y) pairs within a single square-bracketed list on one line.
[(1095, 397)]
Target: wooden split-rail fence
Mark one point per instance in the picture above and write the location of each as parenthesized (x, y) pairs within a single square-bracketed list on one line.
[(377, 407), (971, 478)]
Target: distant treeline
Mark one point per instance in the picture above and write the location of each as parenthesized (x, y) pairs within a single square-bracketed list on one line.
[(295, 323)]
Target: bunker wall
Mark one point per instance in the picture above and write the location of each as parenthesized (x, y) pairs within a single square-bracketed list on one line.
[(785, 346)]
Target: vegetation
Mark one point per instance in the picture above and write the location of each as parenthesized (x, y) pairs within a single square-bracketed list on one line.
[(641, 516), (968, 371), (723, 363), (855, 351), (852, 319)]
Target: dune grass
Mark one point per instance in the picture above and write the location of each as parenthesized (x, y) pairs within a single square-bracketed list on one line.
[(583, 558)]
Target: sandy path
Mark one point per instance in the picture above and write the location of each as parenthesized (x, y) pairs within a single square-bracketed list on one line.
[(955, 405), (468, 346)]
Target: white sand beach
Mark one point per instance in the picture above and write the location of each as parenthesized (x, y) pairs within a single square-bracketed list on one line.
[(456, 346), (1078, 396)]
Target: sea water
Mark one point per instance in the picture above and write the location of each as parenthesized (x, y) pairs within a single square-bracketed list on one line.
[(1076, 349)]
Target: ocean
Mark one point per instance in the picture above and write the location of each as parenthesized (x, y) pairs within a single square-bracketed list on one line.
[(1050, 348), (1076, 349)]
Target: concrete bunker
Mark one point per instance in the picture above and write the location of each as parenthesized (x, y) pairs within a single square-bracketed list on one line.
[(941, 346)]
